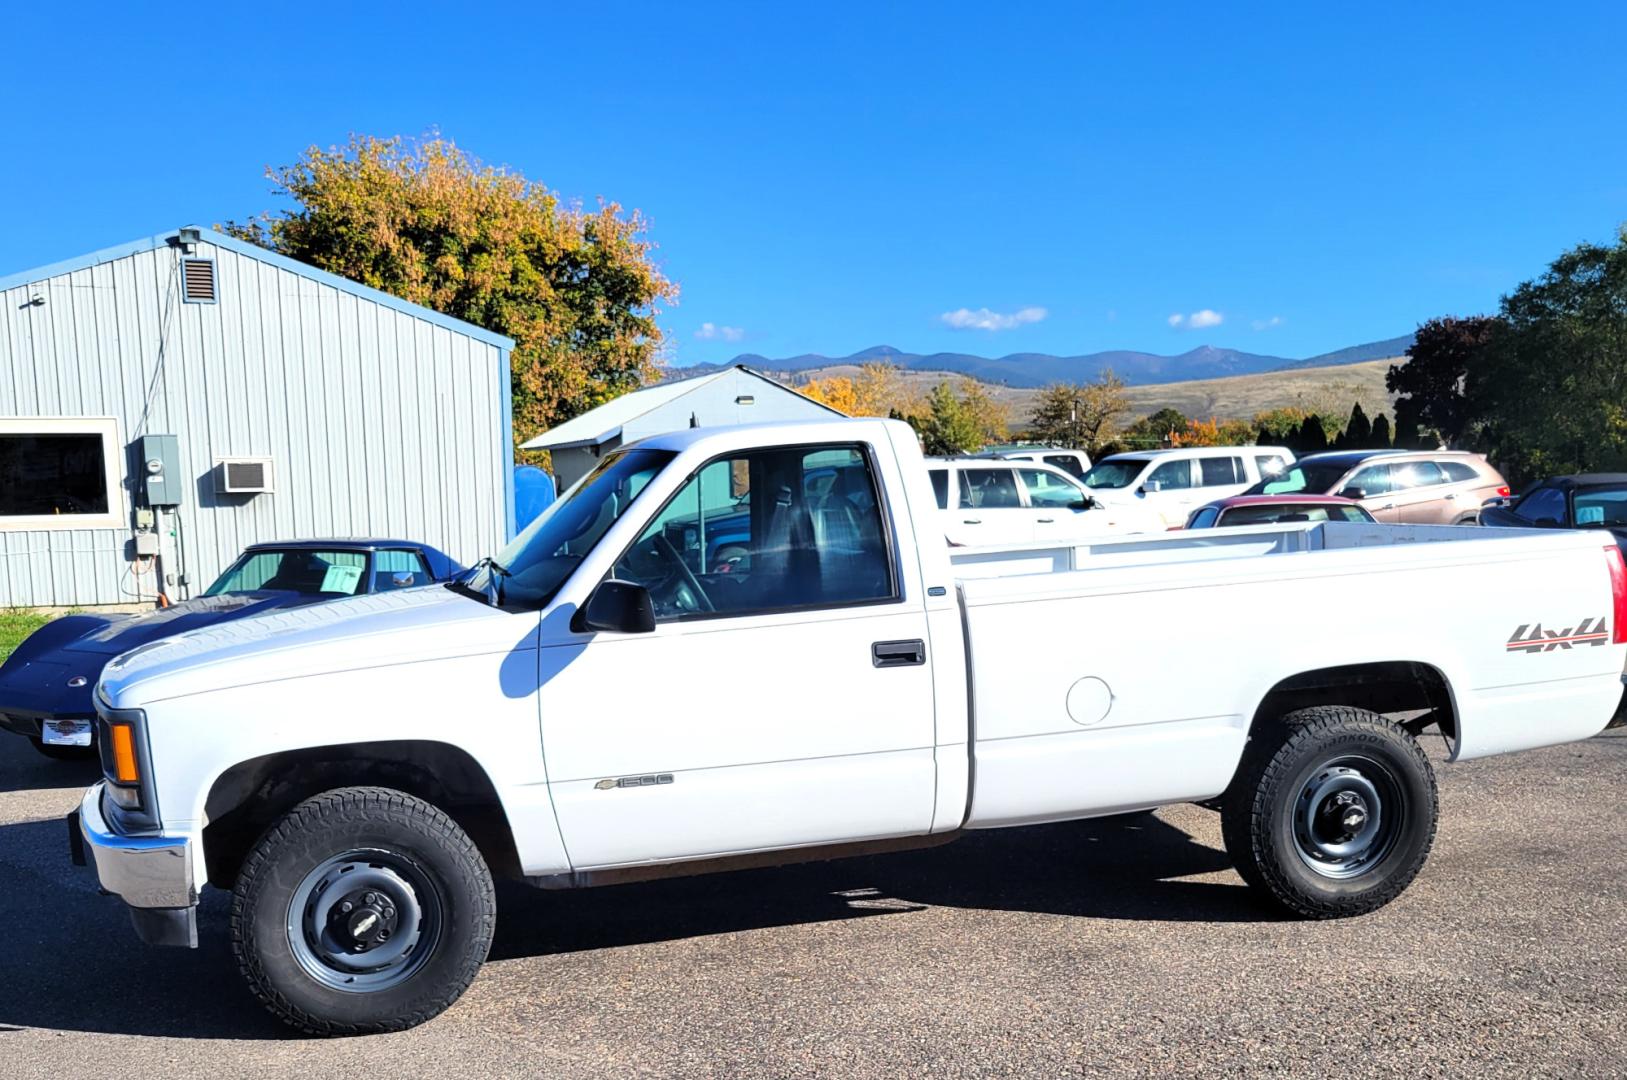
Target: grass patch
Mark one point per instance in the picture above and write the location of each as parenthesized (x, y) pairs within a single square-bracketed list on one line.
[(16, 624)]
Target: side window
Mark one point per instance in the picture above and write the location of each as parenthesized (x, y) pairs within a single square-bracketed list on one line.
[(1543, 504), (765, 531), (940, 487), (398, 570), (1067, 463), (1270, 465), (1457, 472), (1373, 480), (1416, 474), (1048, 489), (993, 489), (963, 490), (1219, 471), (1204, 518), (1173, 474)]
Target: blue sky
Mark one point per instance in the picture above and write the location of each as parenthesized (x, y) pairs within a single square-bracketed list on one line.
[(977, 178)]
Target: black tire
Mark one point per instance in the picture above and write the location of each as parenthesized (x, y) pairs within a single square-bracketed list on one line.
[(1298, 803), (446, 883), (64, 753)]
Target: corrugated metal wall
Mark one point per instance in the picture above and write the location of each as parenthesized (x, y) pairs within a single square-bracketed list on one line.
[(378, 422)]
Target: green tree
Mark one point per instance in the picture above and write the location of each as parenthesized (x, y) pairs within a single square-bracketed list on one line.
[(1549, 394), (1381, 432), (1080, 415), (956, 423), (1311, 438), (1358, 432), (577, 289), (1430, 386)]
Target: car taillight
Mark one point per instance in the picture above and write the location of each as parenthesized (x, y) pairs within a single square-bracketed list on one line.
[(1618, 592), (1504, 491)]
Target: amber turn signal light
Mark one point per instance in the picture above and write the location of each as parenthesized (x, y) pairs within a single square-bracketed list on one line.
[(124, 754)]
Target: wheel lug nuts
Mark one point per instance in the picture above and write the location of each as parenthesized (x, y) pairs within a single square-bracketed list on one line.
[(347, 907), (370, 898), (383, 935)]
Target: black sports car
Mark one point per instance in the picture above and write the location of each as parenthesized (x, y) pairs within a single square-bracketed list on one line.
[(1582, 501), (47, 683)]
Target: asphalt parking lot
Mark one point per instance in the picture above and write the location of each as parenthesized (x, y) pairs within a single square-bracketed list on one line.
[(1122, 947)]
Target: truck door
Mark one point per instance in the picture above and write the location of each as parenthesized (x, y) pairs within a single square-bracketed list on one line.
[(784, 697), (1175, 493)]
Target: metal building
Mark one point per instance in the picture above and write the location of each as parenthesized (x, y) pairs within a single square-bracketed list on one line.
[(736, 395), (165, 402)]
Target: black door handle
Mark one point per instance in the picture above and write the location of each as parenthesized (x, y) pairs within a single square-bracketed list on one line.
[(898, 653)]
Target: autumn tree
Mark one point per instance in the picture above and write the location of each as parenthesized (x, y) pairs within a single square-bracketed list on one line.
[(1079, 415), (879, 389), (577, 289), (1430, 385), (961, 420)]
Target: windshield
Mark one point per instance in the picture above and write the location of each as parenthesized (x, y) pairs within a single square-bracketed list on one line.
[(1261, 514), (1315, 478), (536, 563), (300, 570), (1601, 507), (1115, 473)]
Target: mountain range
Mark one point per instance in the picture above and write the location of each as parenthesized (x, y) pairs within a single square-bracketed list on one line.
[(1041, 369)]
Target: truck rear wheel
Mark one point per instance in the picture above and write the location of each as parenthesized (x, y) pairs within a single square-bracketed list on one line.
[(1332, 812), (362, 910)]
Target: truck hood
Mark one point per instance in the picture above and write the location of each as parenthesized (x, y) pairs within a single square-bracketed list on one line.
[(363, 632)]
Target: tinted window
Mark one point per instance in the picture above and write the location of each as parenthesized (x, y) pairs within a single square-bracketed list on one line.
[(1373, 480), (1457, 471), (1067, 463), (1173, 474), (940, 487), (1601, 506), (781, 542), (52, 474), (1416, 474), (398, 570), (1218, 471), (1543, 504), (992, 489), (1203, 518), (1048, 489), (1115, 473), (307, 572), (1315, 478)]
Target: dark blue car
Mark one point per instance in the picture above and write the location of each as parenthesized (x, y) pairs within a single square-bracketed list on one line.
[(47, 683)]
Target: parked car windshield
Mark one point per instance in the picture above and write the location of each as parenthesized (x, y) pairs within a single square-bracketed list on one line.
[(1115, 473), (1316, 478), (297, 570), (536, 563), (1256, 515), (1600, 507)]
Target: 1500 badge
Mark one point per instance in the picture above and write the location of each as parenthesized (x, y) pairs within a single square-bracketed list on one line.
[(1529, 638)]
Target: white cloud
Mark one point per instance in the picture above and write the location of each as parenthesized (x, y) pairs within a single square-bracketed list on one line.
[(1198, 320), (1267, 324), (714, 332), (984, 319)]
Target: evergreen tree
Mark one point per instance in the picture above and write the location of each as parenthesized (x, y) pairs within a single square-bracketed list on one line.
[(1358, 431), (1381, 432), (1312, 438)]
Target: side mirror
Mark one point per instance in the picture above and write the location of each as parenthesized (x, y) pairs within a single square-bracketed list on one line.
[(1353, 493), (1152, 486), (1081, 504), (621, 607)]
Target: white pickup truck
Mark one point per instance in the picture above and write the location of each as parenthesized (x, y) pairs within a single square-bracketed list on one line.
[(739, 646)]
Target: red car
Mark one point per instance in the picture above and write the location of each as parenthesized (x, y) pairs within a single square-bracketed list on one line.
[(1264, 509)]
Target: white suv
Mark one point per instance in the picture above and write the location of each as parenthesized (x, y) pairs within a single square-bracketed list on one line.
[(1170, 483), (1073, 462), (989, 502)]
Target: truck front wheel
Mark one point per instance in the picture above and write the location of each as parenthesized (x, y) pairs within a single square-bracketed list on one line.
[(1332, 812), (362, 910)]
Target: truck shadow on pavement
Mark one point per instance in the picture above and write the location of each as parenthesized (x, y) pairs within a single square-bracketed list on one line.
[(72, 962)]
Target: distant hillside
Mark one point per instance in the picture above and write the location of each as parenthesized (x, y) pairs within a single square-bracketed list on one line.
[(1031, 370)]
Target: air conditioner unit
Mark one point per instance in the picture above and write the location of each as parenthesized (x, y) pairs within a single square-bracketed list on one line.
[(242, 475)]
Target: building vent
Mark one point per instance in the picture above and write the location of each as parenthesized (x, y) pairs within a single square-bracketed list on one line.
[(242, 476), (198, 280)]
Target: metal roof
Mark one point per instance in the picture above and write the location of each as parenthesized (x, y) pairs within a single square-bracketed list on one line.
[(255, 251), (598, 426)]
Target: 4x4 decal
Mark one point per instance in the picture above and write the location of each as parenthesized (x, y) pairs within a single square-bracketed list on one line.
[(1588, 632)]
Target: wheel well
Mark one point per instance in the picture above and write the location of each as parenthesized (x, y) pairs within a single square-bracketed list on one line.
[(1390, 687), (250, 796)]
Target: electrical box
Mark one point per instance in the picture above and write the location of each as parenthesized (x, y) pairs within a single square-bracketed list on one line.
[(160, 470), (146, 544)]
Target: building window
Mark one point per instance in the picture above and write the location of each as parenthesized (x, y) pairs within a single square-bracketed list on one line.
[(59, 473)]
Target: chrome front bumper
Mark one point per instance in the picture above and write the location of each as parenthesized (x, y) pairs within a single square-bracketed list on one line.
[(152, 874)]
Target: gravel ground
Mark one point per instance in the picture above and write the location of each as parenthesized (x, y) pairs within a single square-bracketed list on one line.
[(1124, 947)]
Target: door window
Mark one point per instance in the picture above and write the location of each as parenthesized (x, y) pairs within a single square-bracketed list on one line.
[(1220, 471), (1416, 474), (1067, 463), (1543, 504), (1048, 489), (398, 570), (940, 487), (1173, 474), (1203, 518), (993, 489), (769, 530), (1373, 480), (1457, 471)]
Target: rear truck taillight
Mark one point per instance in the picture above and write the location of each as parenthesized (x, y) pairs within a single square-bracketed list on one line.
[(1618, 593), (1504, 492)]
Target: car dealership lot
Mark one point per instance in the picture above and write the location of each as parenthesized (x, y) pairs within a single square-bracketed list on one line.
[(1125, 946)]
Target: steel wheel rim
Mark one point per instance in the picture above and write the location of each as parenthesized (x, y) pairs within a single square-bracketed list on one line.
[(1347, 817), (364, 921)]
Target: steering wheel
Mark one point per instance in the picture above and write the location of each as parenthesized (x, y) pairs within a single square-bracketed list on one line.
[(685, 575)]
